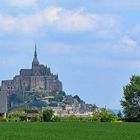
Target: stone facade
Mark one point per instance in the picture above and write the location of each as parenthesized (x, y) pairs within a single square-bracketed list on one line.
[(3, 102), (39, 78)]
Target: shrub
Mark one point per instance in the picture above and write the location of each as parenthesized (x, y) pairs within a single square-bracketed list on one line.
[(2, 119), (104, 115), (36, 119), (48, 115), (23, 118), (56, 119)]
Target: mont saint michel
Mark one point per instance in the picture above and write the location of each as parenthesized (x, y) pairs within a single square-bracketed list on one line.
[(36, 88)]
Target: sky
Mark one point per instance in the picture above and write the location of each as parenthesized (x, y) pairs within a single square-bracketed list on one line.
[(93, 45)]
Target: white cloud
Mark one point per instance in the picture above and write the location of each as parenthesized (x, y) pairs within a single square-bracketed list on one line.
[(22, 3), (62, 19), (126, 44), (82, 21)]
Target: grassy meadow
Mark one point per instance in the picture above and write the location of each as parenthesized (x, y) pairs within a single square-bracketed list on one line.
[(69, 131)]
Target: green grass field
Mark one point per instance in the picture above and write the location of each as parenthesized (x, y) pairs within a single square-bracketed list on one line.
[(70, 131)]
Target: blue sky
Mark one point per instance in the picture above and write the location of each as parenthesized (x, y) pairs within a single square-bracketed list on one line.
[(92, 44)]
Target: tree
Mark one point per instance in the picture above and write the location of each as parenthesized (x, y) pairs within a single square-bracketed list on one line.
[(48, 115), (120, 116), (131, 99)]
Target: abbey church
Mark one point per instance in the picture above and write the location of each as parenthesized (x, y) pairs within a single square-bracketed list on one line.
[(39, 78)]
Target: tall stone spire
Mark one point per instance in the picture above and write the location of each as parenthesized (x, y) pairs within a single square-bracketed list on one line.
[(35, 60), (35, 53)]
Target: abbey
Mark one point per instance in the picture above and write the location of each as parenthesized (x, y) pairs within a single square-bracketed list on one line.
[(39, 88), (39, 78)]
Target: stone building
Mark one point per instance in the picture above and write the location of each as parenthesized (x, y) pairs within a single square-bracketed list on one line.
[(39, 78)]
